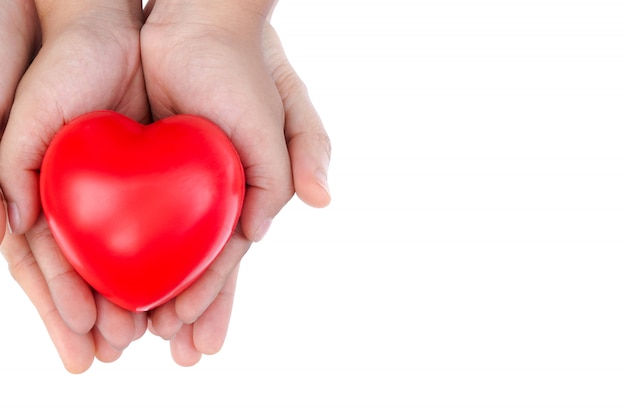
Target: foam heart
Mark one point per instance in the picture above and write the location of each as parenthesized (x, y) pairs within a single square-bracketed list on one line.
[(140, 211)]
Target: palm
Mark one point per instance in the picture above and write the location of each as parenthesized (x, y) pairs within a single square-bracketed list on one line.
[(96, 72)]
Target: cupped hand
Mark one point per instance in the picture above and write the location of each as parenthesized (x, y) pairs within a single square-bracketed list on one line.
[(89, 60), (237, 75)]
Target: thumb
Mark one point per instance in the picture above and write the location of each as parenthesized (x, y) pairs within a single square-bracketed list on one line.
[(18, 36), (24, 143), (309, 148), (307, 141)]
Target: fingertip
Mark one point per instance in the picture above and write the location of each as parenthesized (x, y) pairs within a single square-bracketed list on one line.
[(164, 321), (261, 229), (310, 159), (82, 320), (75, 304), (141, 324), (313, 189), (19, 178), (182, 348), (104, 351), (116, 325), (77, 352), (76, 366), (260, 207), (209, 332), (211, 328), (22, 203), (187, 312), (195, 300)]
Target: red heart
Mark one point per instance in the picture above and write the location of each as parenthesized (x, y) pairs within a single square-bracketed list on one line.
[(141, 211)]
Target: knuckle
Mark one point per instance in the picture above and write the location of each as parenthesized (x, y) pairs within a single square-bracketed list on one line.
[(21, 266)]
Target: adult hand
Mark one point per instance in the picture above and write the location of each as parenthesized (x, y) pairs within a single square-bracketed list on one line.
[(89, 60)]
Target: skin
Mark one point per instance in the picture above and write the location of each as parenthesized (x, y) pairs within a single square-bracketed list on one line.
[(91, 55), (298, 139), (19, 34), (237, 76)]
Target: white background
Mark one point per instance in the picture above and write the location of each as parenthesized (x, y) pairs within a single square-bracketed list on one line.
[(472, 261)]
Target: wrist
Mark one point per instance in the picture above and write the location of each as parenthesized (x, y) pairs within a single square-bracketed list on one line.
[(239, 17), (261, 9), (55, 15)]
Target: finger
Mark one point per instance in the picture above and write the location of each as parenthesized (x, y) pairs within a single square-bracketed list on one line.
[(307, 140), (141, 324), (182, 349), (308, 143), (192, 302), (105, 352), (115, 324), (309, 148), (165, 321), (72, 296), (209, 330), (75, 350), (268, 180), (151, 327)]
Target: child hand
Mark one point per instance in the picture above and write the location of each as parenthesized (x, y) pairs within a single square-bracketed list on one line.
[(236, 74)]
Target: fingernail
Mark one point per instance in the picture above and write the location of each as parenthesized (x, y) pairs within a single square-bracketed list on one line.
[(6, 211), (262, 230), (15, 220)]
